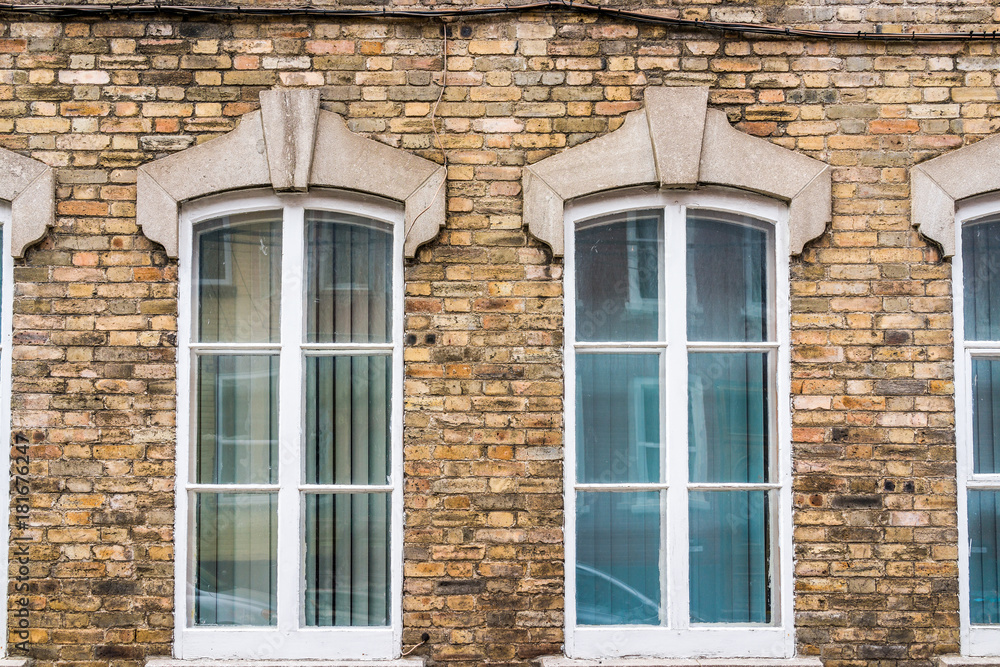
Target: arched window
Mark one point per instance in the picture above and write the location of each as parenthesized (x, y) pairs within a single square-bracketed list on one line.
[(290, 234), (678, 452)]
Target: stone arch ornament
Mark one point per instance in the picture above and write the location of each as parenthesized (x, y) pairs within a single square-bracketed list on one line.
[(30, 187), (291, 145), (937, 184), (676, 141)]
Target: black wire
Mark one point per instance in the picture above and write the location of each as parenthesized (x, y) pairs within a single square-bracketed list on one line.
[(139, 9)]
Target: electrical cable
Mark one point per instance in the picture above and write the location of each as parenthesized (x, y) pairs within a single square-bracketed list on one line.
[(158, 7)]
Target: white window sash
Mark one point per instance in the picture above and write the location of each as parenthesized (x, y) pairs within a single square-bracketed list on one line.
[(679, 638), (975, 640), (6, 368), (290, 638)]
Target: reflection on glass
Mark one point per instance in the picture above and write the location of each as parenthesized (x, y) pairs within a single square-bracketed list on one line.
[(727, 416), (347, 559), (729, 557), (981, 274), (618, 412), (237, 420), (239, 278), (984, 566), (236, 570), (618, 558), (350, 278), (619, 277), (726, 279), (986, 415), (347, 419)]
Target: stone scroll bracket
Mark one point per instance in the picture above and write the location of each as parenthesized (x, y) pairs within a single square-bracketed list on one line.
[(291, 145), (937, 184), (30, 187), (676, 141)]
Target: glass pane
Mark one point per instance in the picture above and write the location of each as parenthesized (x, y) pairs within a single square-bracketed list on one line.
[(347, 559), (237, 421), (236, 575), (239, 278), (618, 558), (986, 415), (984, 566), (618, 277), (347, 419), (728, 434), (981, 274), (726, 279), (618, 417), (730, 550), (350, 279)]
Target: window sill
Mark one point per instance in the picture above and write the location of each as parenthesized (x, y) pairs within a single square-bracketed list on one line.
[(206, 662), (16, 662), (559, 661), (965, 661)]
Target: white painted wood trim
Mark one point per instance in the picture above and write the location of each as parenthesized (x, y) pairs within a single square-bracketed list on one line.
[(290, 640), (678, 639), (559, 661), (6, 363), (173, 662)]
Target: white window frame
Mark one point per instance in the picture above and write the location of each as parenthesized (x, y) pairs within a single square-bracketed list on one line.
[(679, 639), (976, 640), (6, 390), (290, 638)]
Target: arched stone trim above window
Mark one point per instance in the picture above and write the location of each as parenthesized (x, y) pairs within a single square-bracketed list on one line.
[(291, 145), (676, 141), (29, 186), (937, 184)]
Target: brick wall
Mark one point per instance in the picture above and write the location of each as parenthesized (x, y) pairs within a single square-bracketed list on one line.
[(873, 424)]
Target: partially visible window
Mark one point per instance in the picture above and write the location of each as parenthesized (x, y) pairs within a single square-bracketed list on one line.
[(293, 464), (679, 535), (977, 279)]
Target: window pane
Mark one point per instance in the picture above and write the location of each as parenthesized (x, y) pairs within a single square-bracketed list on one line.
[(726, 279), (239, 279), (986, 415), (237, 422), (728, 417), (619, 277), (618, 417), (236, 569), (347, 419), (618, 558), (347, 559), (984, 566), (981, 274), (350, 279), (729, 557)]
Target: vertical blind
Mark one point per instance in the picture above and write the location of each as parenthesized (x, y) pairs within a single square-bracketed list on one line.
[(236, 438), (349, 268)]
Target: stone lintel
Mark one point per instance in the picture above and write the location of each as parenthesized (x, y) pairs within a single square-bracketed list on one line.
[(677, 142), (290, 145)]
